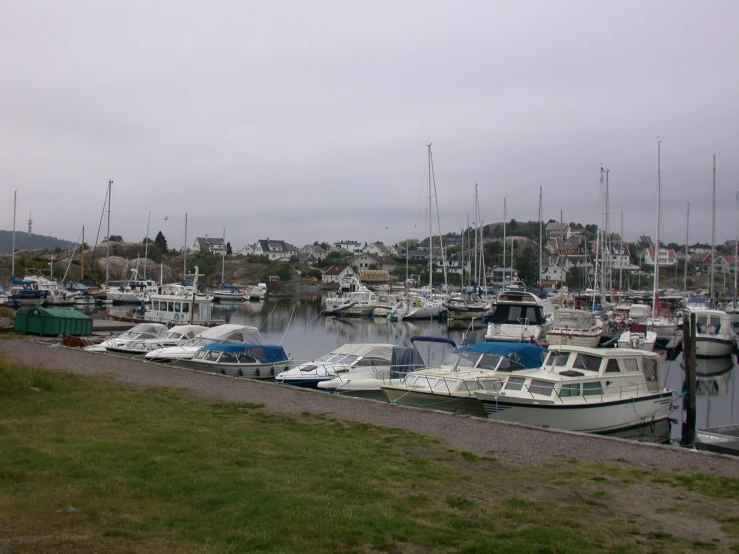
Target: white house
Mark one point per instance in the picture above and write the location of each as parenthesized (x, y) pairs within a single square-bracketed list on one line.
[(337, 274), (208, 245), (351, 245), (316, 251), (558, 230), (373, 261), (379, 249), (724, 264), (667, 257), (275, 249), (248, 250)]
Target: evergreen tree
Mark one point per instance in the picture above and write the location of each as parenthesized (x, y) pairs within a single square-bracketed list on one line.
[(228, 249), (160, 242)]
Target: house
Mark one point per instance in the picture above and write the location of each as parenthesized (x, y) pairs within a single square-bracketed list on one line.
[(699, 248), (645, 242), (701, 260), (351, 245), (496, 276), (375, 276), (723, 264), (573, 245), (248, 250), (337, 274), (453, 240), (373, 261), (454, 265), (667, 257), (380, 249), (617, 255), (312, 251), (557, 230), (207, 245), (275, 249)]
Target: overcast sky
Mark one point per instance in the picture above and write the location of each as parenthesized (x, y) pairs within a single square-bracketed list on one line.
[(309, 121)]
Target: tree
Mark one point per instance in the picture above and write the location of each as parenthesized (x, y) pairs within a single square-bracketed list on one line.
[(574, 278), (115, 238), (228, 249), (161, 243), (526, 264)]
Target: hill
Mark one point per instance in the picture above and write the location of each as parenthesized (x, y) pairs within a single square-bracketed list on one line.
[(25, 241)]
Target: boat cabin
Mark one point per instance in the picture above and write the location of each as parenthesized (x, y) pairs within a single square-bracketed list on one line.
[(175, 309), (517, 308)]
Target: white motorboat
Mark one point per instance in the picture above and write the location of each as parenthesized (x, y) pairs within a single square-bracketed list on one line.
[(133, 292), (229, 293), (451, 386), (732, 308), (518, 316), (137, 332), (257, 292), (714, 337), (253, 361), (637, 338), (346, 360), (360, 303), (575, 327), (176, 305), (592, 390), (368, 382), (418, 306), (177, 335), (221, 334)]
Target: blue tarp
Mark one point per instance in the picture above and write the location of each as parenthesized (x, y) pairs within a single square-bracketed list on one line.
[(264, 352), (433, 339), (17, 281), (528, 355)]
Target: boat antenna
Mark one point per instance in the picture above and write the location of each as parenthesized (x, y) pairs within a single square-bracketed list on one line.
[(656, 242), (713, 226), (12, 263), (504, 237), (687, 245), (107, 250), (223, 258), (184, 252), (540, 235), (146, 245)]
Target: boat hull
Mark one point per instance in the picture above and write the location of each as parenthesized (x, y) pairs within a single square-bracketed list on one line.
[(248, 371), (597, 417), (713, 347), (464, 405), (573, 337)]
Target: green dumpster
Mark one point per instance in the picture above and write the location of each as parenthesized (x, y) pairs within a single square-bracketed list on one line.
[(43, 321)]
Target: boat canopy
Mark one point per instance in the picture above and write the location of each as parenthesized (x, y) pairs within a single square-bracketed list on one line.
[(528, 355), (383, 351), (16, 281), (518, 314), (233, 333), (425, 338), (405, 359), (572, 319), (263, 352)]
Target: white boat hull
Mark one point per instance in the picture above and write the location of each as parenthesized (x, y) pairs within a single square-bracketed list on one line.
[(597, 417), (466, 405), (248, 371), (637, 341), (513, 333), (574, 337), (713, 346)]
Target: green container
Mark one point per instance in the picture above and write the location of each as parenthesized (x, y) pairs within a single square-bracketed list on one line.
[(43, 321)]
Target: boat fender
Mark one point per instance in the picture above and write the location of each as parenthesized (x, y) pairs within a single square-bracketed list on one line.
[(256, 372), (223, 371), (241, 372), (272, 371)]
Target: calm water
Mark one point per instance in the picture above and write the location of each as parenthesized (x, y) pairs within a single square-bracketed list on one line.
[(295, 323)]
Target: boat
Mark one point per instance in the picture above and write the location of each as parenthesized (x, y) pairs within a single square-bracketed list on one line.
[(575, 327), (360, 303), (518, 316), (714, 337), (228, 333), (591, 390), (133, 292), (177, 335), (451, 386), (367, 382), (416, 305), (26, 293), (723, 439), (346, 360), (137, 332), (229, 293), (636, 337), (253, 361), (257, 292), (661, 322)]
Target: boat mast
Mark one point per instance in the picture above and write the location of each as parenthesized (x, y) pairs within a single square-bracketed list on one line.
[(607, 277), (540, 237), (687, 248), (12, 263), (597, 239), (223, 258), (146, 245), (107, 250), (656, 245), (504, 237), (477, 226), (621, 256), (184, 253), (82, 255), (736, 250), (431, 232), (713, 226)]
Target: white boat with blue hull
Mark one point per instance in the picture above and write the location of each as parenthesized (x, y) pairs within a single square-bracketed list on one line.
[(227, 333), (583, 389), (253, 361)]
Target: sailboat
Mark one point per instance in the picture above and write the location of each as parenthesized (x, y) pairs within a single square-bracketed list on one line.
[(423, 303)]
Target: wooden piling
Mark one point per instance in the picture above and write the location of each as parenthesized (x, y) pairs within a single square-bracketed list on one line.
[(688, 432)]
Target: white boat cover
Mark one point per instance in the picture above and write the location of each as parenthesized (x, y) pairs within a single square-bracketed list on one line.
[(383, 351), (187, 331), (234, 333), (572, 319)]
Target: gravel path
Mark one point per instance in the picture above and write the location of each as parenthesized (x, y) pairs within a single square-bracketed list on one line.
[(515, 443)]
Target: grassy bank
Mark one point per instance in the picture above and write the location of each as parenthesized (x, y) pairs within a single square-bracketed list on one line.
[(159, 471)]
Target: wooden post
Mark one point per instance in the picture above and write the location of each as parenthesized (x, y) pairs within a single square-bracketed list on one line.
[(688, 434)]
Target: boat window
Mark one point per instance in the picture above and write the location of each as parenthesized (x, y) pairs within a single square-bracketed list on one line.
[(506, 364), (308, 368), (541, 387), (409, 379), (257, 352), (170, 307), (550, 358), (348, 360), (327, 357), (490, 384), (489, 361), (155, 305), (590, 363), (177, 307), (514, 383), (244, 359), (234, 337), (650, 370), (371, 362), (469, 386), (228, 358), (422, 381), (570, 389), (514, 314), (200, 354), (462, 359), (445, 384), (612, 366), (185, 307), (590, 389), (630, 364), (561, 359), (212, 355)]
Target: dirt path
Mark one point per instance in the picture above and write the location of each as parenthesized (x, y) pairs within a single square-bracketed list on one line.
[(512, 442)]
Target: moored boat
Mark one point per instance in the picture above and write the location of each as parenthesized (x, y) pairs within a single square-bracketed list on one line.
[(518, 316), (253, 361), (574, 327)]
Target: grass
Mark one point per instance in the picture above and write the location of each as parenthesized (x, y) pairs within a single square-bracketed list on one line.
[(160, 471)]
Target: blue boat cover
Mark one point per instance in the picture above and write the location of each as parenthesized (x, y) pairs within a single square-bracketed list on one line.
[(528, 355), (263, 352), (17, 281), (433, 339)]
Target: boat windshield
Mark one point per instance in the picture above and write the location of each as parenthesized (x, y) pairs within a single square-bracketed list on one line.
[(173, 335), (462, 359), (201, 341), (338, 358)]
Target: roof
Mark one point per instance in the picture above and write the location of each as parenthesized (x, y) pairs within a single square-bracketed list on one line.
[(335, 270), (384, 351), (263, 352), (528, 355), (554, 226), (206, 243)]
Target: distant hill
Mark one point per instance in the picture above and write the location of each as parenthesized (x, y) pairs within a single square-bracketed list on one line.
[(24, 241)]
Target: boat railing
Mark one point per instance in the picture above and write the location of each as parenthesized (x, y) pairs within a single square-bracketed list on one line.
[(621, 391)]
